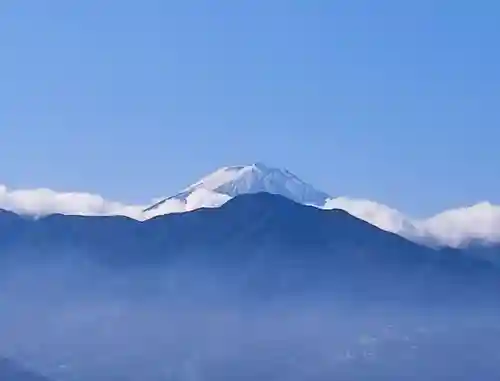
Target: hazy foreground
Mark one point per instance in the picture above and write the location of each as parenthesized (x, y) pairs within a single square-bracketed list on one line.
[(81, 322)]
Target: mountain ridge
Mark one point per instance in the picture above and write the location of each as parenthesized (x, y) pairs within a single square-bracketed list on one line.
[(262, 238), (454, 228)]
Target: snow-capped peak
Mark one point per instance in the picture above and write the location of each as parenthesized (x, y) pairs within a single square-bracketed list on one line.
[(456, 227), (228, 182)]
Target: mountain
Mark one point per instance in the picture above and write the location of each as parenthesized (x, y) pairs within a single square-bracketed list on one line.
[(262, 237), (225, 183), (478, 223), (228, 182), (10, 371), (113, 298), (452, 228)]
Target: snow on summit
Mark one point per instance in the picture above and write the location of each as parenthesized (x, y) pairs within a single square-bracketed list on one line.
[(225, 183), (456, 227), (228, 182)]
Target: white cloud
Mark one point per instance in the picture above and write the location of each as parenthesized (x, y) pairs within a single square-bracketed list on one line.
[(459, 226), (453, 227), (44, 201), (376, 214)]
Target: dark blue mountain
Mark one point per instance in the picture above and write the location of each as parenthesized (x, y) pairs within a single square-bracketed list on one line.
[(247, 223), (265, 237)]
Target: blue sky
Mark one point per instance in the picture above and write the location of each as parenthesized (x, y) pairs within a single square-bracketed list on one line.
[(395, 101)]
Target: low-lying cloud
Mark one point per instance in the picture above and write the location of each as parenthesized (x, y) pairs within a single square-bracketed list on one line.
[(454, 227), (43, 201)]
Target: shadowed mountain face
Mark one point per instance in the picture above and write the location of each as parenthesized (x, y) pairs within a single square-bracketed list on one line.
[(9, 371), (264, 238), (260, 288), (247, 222)]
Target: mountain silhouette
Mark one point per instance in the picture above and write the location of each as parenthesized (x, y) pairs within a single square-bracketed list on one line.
[(267, 238)]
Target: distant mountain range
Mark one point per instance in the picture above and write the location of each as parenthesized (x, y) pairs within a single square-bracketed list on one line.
[(271, 241), (478, 224)]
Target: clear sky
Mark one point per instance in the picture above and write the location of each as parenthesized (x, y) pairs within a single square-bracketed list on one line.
[(396, 101)]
